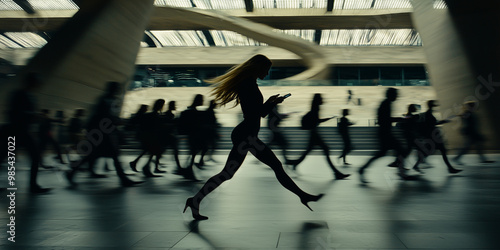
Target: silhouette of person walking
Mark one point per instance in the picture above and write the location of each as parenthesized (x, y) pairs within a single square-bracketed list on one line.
[(312, 118), (135, 122), (240, 84), (386, 139), (171, 140), (277, 137), (46, 134), (470, 131), (343, 129), (212, 130), (153, 140), (75, 129), (432, 139), (192, 121), (349, 96), (103, 135), (21, 116), (409, 127)]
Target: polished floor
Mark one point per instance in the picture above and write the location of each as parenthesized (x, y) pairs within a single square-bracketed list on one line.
[(252, 211)]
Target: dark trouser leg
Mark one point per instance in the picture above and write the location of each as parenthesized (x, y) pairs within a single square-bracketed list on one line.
[(55, 144), (35, 157), (347, 147), (380, 153), (440, 147), (146, 169), (420, 156), (118, 167), (139, 157), (310, 146), (157, 163), (173, 142), (479, 147), (203, 153), (385, 145), (467, 144), (326, 151)]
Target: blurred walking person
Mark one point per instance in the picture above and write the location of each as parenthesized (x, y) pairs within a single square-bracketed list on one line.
[(386, 139), (311, 121), (46, 135), (470, 131), (191, 121), (343, 129), (277, 137), (432, 139), (103, 135), (18, 132)]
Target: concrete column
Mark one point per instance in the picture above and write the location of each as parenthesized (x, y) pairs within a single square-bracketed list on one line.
[(478, 26), (450, 71), (98, 44)]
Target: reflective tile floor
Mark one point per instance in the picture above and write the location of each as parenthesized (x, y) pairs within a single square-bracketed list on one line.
[(252, 211)]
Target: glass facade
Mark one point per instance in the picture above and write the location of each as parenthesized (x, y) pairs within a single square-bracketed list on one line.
[(162, 76)]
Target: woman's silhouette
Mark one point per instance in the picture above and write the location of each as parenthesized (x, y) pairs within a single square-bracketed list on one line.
[(192, 122), (343, 128), (170, 131), (153, 137), (239, 84), (315, 138)]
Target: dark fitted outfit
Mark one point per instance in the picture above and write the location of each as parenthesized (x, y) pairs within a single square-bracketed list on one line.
[(315, 139), (107, 141), (386, 139), (343, 128), (244, 138), (21, 116), (277, 137), (432, 139), (470, 130)]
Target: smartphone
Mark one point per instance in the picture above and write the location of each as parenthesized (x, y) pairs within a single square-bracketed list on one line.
[(287, 95)]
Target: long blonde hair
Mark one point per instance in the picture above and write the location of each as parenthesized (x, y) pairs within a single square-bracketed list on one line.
[(227, 86)]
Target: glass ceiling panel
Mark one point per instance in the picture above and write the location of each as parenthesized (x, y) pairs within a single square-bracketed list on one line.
[(26, 39), (6, 42), (307, 35), (371, 4), (371, 37), (181, 38), (9, 5), (40, 5), (230, 38), (174, 3), (440, 4), (289, 4), (219, 4), (53, 4)]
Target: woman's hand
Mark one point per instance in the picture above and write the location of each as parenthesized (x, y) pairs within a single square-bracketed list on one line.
[(275, 99)]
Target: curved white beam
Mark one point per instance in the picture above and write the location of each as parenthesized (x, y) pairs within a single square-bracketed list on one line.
[(310, 53)]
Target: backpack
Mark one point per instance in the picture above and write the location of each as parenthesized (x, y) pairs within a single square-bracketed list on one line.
[(307, 122), (185, 122), (422, 127)]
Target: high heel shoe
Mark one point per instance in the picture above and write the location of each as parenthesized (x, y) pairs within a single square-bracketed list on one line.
[(311, 198), (133, 166), (340, 176), (195, 211)]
